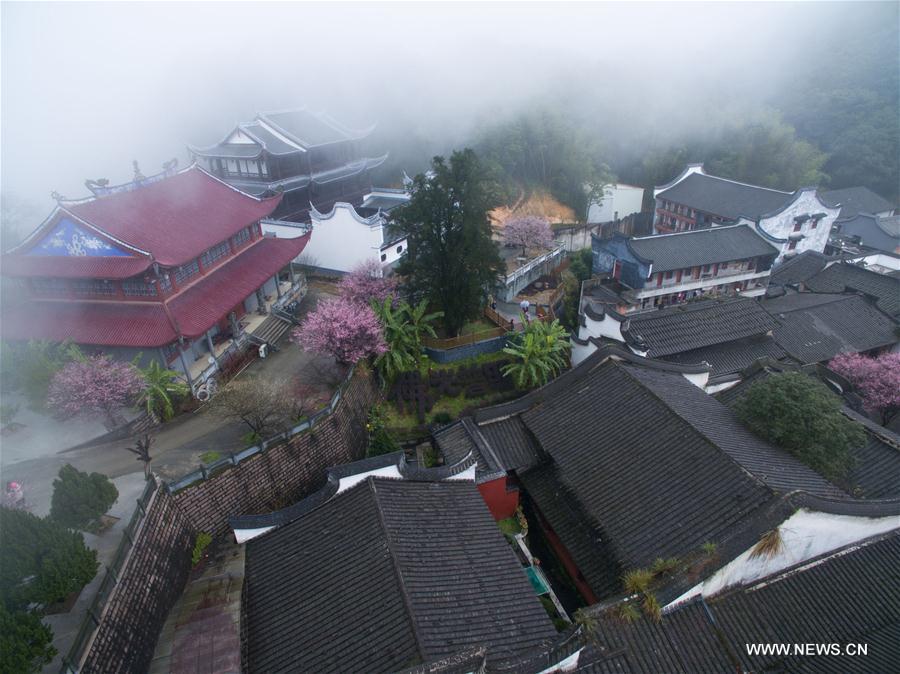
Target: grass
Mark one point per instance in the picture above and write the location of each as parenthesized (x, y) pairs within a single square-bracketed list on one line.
[(637, 581), (208, 457), (769, 545), (510, 526)]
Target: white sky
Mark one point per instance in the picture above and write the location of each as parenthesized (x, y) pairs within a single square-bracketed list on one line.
[(87, 87)]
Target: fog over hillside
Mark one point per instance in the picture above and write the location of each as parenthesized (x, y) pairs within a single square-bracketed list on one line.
[(87, 88)]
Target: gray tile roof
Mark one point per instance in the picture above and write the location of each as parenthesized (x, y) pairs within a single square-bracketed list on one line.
[(701, 247), (511, 442), (697, 324), (798, 268), (841, 277), (726, 198), (876, 470), (387, 575), (731, 357), (848, 596), (307, 128), (816, 327), (626, 444), (855, 200)]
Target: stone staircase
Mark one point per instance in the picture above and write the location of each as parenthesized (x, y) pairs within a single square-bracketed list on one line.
[(271, 330)]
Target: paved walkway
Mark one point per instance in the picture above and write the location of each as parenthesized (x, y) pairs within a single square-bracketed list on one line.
[(35, 457)]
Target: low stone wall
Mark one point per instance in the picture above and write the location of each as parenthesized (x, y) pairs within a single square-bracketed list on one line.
[(467, 351), (148, 584), (152, 568), (282, 473)]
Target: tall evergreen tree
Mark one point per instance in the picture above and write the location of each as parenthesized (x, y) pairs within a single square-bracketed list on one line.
[(451, 259)]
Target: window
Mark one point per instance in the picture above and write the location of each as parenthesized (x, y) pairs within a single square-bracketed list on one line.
[(49, 286), (215, 253), (669, 275), (724, 265), (706, 269), (815, 223), (792, 245), (139, 288), (399, 249), (383, 257), (241, 237), (170, 351), (165, 283), (93, 286), (797, 226), (186, 271)]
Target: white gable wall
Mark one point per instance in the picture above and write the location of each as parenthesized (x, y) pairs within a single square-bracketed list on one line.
[(341, 242), (619, 201), (804, 535), (781, 225)]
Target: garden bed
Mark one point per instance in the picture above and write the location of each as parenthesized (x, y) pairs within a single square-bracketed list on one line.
[(440, 394)]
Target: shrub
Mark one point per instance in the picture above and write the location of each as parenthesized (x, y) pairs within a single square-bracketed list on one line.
[(380, 441), (79, 499), (441, 418), (200, 544), (800, 415), (25, 642), (53, 558)]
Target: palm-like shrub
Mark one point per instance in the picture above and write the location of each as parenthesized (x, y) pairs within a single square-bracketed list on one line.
[(540, 354), (403, 327), (162, 388)]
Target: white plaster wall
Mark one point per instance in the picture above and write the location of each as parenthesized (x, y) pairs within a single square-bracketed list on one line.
[(699, 380), (621, 199), (341, 242), (392, 252), (388, 471), (608, 327), (244, 535), (781, 225), (804, 535), (580, 351)]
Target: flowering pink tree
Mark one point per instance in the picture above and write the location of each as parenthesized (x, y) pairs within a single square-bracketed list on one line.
[(528, 232), (96, 386), (342, 328), (876, 379), (366, 282)]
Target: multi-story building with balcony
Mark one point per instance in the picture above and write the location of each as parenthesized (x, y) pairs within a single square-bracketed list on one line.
[(312, 158), (673, 268), (793, 221), (173, 267)]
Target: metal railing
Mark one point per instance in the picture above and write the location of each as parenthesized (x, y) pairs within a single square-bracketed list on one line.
[(531, 264), (78, 652)]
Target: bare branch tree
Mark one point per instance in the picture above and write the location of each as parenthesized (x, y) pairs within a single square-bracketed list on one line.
[(266, 407)]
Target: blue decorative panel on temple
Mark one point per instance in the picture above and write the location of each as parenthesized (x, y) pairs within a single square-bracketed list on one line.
[(70, 240)]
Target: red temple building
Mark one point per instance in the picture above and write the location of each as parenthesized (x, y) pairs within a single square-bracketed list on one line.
[(173, 267)]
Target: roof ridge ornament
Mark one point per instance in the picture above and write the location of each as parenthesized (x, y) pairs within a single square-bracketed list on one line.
[(138, 176), (56, 196)]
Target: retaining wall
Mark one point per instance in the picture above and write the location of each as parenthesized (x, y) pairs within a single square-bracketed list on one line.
[(268, 478), (467, 351)]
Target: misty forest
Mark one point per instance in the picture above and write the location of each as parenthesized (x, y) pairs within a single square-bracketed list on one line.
[(780, 96)]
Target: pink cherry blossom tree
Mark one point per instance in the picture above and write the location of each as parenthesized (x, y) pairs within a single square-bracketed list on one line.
[(98, 386), (877, 380), (342, 328), (528, 232), (366, 282)]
